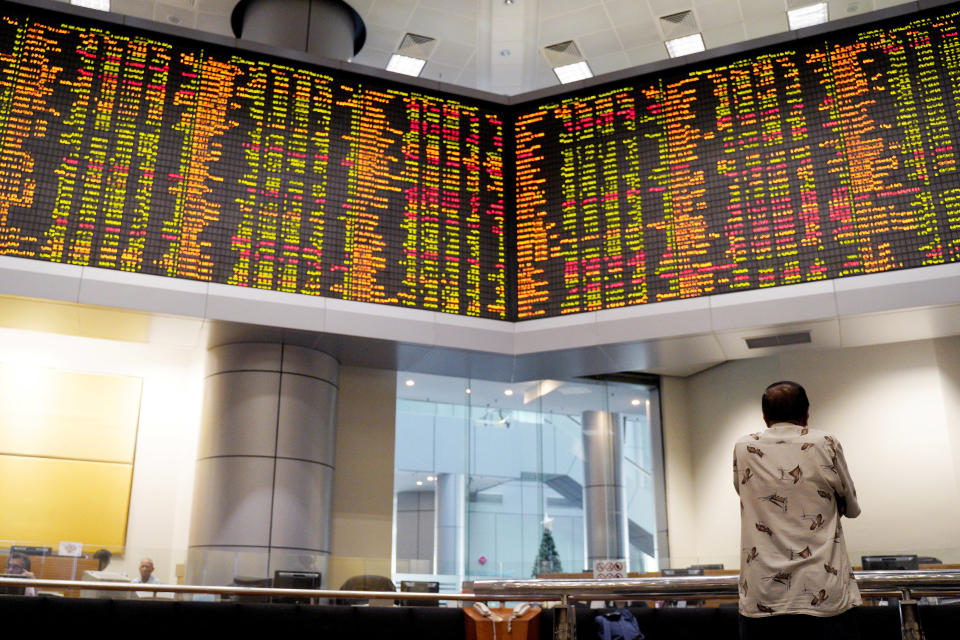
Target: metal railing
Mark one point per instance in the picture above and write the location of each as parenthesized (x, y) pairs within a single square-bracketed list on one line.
[(871, 583), (906, 586), (53, 585)]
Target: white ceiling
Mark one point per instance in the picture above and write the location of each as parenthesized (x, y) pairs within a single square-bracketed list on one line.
[(486, 397), (492, 46)]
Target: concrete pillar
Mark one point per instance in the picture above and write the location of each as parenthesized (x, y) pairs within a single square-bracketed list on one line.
[(265, 463), (603, 500)]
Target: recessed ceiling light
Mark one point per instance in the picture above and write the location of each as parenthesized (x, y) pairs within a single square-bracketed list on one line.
[(685, 46), (468, 391), (430, 478), (410, 383), (100, 5), (808, 16), (573, 72), (405, 65), (508, 392), (635, 402), (419, 483)]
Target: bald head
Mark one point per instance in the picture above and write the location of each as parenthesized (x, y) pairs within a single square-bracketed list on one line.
[(146, 569), (785, 402)]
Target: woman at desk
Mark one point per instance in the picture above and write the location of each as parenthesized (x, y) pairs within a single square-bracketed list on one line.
[(18, 564)]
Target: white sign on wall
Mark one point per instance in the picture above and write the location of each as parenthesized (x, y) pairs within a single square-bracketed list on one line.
[(71, 549)]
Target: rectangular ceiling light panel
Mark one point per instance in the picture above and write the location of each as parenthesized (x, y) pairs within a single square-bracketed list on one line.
[(685, 46), (573, 72), (101, 5), (808, 16), (405, 65)]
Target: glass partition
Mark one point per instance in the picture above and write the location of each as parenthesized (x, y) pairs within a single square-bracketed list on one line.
[(490, 476)]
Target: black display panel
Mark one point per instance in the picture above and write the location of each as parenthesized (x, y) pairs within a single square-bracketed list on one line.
[(829, 157), (837, 156), (144, 153)]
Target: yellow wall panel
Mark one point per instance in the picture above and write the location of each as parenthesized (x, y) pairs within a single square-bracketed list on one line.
[(45, 501), (65, 414)]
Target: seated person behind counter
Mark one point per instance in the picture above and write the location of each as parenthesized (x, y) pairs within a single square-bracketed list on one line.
[(18, 564), (146, 577), (102, 556)]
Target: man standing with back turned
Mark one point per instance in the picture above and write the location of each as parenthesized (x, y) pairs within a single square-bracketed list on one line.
[(795, 576)]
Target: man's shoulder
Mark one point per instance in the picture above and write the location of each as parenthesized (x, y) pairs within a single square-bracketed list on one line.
[(818, 434), (750, 438), (796, 434)]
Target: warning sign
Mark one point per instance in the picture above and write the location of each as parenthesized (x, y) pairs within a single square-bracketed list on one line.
[(610, 569)]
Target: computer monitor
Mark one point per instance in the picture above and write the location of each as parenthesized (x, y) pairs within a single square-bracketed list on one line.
[(689, 571), (295, 580), (419, 586), (104, 576), (889, 563), (31, 551)]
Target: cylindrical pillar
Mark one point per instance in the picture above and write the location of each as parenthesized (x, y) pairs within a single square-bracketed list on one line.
[(603, 509), (265, 462), (329, 28), (450, 514)]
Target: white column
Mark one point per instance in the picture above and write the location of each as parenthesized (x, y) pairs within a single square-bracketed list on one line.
[(603, 501), (265, 463)]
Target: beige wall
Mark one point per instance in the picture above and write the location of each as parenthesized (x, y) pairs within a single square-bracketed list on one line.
[(165, 457), (169, 417), (362, 532), (894, 408)]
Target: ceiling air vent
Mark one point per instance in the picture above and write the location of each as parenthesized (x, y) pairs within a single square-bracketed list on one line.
[(677, 25), (562, 53), (782, 340), (416, 46)]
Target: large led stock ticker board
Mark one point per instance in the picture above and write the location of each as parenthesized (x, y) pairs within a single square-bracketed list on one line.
[(815, 159), (148, 154)]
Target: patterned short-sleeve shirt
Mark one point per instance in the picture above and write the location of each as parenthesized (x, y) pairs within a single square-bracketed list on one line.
[(793, 482)]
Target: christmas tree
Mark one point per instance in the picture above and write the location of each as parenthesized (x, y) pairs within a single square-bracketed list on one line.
[(548, 560)]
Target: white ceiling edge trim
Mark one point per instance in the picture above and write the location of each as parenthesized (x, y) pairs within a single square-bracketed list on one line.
[(666, 337)]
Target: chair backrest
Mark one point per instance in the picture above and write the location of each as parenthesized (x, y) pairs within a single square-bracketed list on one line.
[(245, 581), (368, 583), (365, 582)]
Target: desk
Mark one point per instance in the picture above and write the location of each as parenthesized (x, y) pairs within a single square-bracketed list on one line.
[(53, 567), (525, 627)]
